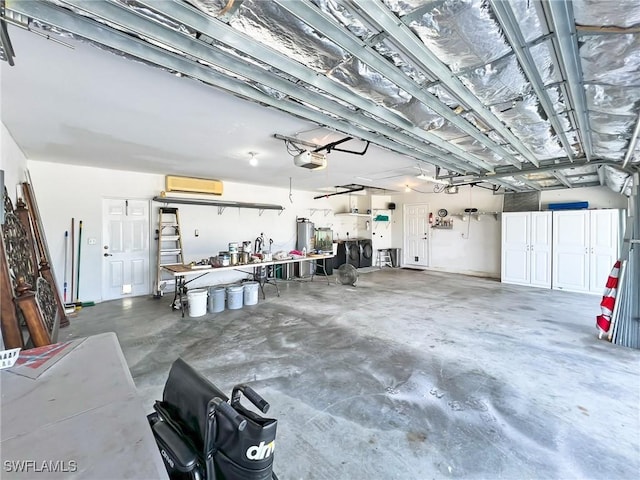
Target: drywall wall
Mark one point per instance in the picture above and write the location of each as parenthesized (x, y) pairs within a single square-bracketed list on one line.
[(12, 161), (66, 191), (473, 247), (598, 197), (381, 231), (470, 247)]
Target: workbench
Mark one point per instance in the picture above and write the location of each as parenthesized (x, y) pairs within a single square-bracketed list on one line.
[(71, 410), (185, 274)]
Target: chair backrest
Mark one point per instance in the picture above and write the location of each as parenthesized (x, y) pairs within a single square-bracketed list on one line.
[(187, 396)]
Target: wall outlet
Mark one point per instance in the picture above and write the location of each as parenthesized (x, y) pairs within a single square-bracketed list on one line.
[(92, 241)]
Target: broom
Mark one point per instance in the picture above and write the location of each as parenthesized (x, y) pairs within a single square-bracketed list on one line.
[(78, 303)]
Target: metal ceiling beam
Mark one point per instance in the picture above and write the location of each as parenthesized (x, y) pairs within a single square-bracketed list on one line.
[(89, 29), (527, 182), (5, 42), (510, 28), (505, 185), (405, 38), (577, 185), (560, 14), (564, 180), (548, 167), (119, 14), (359, 49), (221, 32), (632, 143), (601, 175)]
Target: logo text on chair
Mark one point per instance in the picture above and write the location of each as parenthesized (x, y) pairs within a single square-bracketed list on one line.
[(262, 451)]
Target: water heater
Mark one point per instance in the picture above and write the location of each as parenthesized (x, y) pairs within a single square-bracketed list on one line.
[(306, 241)]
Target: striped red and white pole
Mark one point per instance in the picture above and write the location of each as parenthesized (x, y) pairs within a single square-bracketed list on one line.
[(603, 321)]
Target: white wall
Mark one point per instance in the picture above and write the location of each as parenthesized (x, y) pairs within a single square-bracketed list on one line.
[(66, 191), (12, 161), (474, 247), (381, 232), (470, 247), (598, 197)]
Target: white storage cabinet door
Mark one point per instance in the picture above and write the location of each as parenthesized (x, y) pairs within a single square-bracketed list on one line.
[(526, 248), (540, 249), (515, 248), (571, 250), (603, 248)]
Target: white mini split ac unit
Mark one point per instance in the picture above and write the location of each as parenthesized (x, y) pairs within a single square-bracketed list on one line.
[(310, 160)]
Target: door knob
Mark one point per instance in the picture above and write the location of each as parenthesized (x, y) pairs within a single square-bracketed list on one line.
[(108, 255)]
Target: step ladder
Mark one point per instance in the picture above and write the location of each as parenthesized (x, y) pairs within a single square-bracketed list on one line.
[(384, 258), (169, 248)]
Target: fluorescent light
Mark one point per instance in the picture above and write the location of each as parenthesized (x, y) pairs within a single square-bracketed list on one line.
[(428, 178)]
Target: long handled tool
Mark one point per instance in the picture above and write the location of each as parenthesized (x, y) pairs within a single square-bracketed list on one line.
[(79, 250), (66, 245), (73, 255)]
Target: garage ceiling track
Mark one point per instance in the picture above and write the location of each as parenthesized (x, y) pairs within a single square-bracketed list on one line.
[(525, 95)]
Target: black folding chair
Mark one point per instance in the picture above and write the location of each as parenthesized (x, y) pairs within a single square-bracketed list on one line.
[(203, 436)]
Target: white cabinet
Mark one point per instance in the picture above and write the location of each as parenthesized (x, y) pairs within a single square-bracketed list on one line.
[(585, 247), (526, 248)]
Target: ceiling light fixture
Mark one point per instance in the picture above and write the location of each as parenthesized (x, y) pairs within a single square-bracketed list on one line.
[(253, 161), (407, 188)]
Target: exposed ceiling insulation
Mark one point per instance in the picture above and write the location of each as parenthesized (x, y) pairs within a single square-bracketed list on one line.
[(524, 95)]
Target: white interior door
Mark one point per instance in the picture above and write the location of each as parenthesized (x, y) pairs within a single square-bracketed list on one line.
[(416, 234), (540, 249), (125, 235), (515, 247), (603, 250), (571, 250)]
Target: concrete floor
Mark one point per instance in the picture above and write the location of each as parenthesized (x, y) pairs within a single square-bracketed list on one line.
[(410, 375)]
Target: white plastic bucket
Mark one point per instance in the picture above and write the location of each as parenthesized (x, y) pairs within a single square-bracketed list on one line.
[(197, 300), (251, 293), (216, 299), (234, 297)]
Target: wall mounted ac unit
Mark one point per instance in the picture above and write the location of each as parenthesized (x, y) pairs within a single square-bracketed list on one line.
[(310, 160), (192, 185)]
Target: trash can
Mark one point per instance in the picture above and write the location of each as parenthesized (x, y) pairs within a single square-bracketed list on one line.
[(395, 257)]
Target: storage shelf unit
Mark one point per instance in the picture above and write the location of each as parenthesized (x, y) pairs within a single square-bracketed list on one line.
[(221, 204), (477, 215), (585, 247), (570, 250), (347, 214), (526, 248)]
